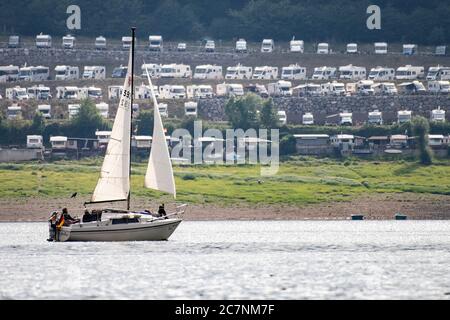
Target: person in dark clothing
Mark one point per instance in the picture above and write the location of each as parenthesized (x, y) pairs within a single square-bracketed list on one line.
[(162, 212), (68, 218), (88, 217)]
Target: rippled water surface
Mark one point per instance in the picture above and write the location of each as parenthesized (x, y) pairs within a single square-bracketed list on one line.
[(235, 260)]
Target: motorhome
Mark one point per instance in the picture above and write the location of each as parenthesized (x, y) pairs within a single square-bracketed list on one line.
[(163, 110), (333, 88), (39, 92), (191, 109), (175, 71), (100, 43), (200, 92), (414, 87), (351, 72), (282, 117), (324, 73), (155, 43), (172, 92), (154, 70), (14, 112), (381, 48), (59, 143), (438, 73), (308, 89), (67, 73), (17, 93), (73, 110), (181, 47), (34, 73), (142, 142), (103, 109), (241, 46), (45, 110), (43, 41), (67, 93), (35, 142), (365, 87), (103, 138), (352, 48), (68, 42), (229, 89), (265, 73), (375, 117), (439, 86), (437, 115), (239, 72), (441, 50), (308, 119), (409, 49), (94, 72), (323, 48), (258, 89), (404, 116), (144, 92), (385, 88), (293, 72), (281, 88), (14, 42), (268, 45), (9, 73), (210, 46), (90, 93), (410, 72), (381, 74), (210, 72), (126, 42), (346, 119), (297, 45), (119, 72)]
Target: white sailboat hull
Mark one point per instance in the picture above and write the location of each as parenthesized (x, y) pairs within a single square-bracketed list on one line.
[(159, 230)]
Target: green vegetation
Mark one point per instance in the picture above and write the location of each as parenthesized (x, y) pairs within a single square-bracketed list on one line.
[(300, 181), (421, 129)]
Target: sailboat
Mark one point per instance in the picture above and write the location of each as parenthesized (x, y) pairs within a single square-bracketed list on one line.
[(114, 182)]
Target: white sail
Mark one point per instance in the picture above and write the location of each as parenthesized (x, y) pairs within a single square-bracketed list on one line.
[(159, 172), (114, 182)]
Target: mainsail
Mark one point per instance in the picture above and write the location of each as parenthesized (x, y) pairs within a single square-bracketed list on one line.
[(114, 182), (159, 172)]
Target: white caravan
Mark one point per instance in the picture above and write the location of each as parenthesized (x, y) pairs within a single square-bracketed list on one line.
[(324, 73), (239, 72), (265, 73), (404, 116), (181, 47), (34, 73), (297, 45), (268, 45), (43, 41), (45, 110), (94, 72), (73, 109), (381, 48), (155, 43), (68, 42), (229, 89), (282, 117), (172, 92), (200, 92), (103, 109), (67, 73), (293, 72), (210, 72), (176, 71), (163, 110), (409, 49), (308, 119), (100, 43), (17, 93), (365, 87), (351, 72), (67, 93), (241, 46), (381, 74), (280, 88), (346, 119), (438, 73), (375, 117), (352, 48), (438, 115), (154, 70), (308, 89), (14, 112), (191, 109), (414, 87), (35, 142), (14, 42), (90, 93), (323, 48), (126, 42), (333, 88), (210, 46), (385, 88), (410, 72), (9, 73), (115, 92), (439, 86), (39, 92), (144, 92)]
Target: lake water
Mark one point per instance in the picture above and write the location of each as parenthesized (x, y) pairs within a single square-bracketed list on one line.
[(235, 260)]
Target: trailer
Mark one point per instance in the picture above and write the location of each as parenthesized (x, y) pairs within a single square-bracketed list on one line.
[(324, 73), (200, 92), (45, 110), (282, 117), (172, 92), (9, 73), (155, 43), (191, 109), (385, 88), (442, 87), (404, 116), (352, 48), (293, 72), (39, 73), (43, 41), (73, 110), (268, 45), (100, 43), (119, 72), (103, 109), (409, 49), (375, 117), (365, 87), (265, 73), (229, 89), (280, 88), (17, 93), (35, 142), (67, 73), (68, 42), (14, 42), (351, 72), (163, 110), (126, 43), (410, 72), (381, 47), (67, 93), (241, 46), (323, 48), (297, 45), (90, 93), (154, 70), (308, 119), (143, 92), (239, 72), (333, 88), (381, 74), (437, 115), (438, 73), (346, 118), (414, 87), (210, 46), (94, 72), (210, 72), (39, 92), (176, 71), (14, 112)]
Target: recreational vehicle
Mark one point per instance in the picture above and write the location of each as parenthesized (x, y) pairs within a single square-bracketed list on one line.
[(239, 72), (154, 70), (438, 73), (346, 119), (241, 46), (43, 41), (381, 74), (45, 110), (67, 93), (73, 110), (100, 43), (103, 109), (437, 115), (293, 72), (67, 73), (381, 48), (172, 92), (409, 49), (265, 73), (324, 73), (375, 117), (323, 48), (282, 117), (351, 72), (267, 45), (119, 72), (308, 119), (352, 48), (155, 43), (103, 138), (126, 42), (94, 72), (385, 88), (68, 42), (229, 89), (9, 73), (281, 88), (365, 87), (210, 72), (258, 89), (176, 71), (308, 89), (35, 142), (414, 87), (14, 42), (210, 46), (200, 92), (144, 92), (163, 110), (410, 72), (90, 93), (34, 73), (404, 116), (191, 109), (14, 112), (17, 93), (333, 88), (439, 86), (297, 45), (39, 92), (181, 47)]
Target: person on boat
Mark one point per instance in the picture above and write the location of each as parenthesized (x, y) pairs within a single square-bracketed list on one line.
[(162, 212), (52, 220), (87, 217), (68, 218)]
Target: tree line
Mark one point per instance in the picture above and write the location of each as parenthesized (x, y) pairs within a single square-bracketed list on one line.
[(417, 21)]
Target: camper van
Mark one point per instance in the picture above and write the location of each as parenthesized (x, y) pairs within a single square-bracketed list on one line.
[(73, 109), (176, 71), (45, 110), (365, 88), (34, 73), (143, 92), (94, 72), (17, 93), (282, 117), (172, 92), (210, 72), (282, 88), (67, 73), (35, 142), (154, 70), (67, 93), (199, 92), (100, 43), (346, 119), (103, 109), (9, 73), (39, 92), (375, 117), (308, 119), (258, 89), (14, 42), (324, 73), (43, 41), (163, 110), (241, 46), (333, 88), (68, 42), (265, 73), (297, 45), (155, 43), (126, 42), (409, 49), (352, 48), (441, 50), (307, 90), (438, 73), (229, 89), (239, 72), (414, 87), (191, 109), (381, 74), (293, 72), (437, 115), (439, 87), (410, 72), (119, 72), (385, 88), (14, 112), (323, 48), (351, 72), (90, 93), (404, 116), (267, 45), (210, 46), (381, 48), (181, 47)]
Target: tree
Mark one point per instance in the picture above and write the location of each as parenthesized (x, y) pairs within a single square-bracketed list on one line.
[(38, 124), (288, 145), (420, 129), (242, 112), (144, 123), (87, 121), (268, 116)]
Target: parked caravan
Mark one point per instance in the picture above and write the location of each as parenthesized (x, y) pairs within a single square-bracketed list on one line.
[(154, 70), (352, 48), (73, 110), (282, 117), (308, 89), (439, 86), (67, 73), (229, 89), (241, 46), (39, 92), (297, 45), (239, 72), (210, 46), (200, 92), (119, 72), (14, 42), (308, 119), (210, 72), (14, 112), (191, 109), (385, 88), (438, 73), (94, 72), (258, 89), (9, 73), (59, 143), (410, 72), (176, 71), (172, 92), (381, 74), (100, 43), (35, 142), (103, 109), (414, 87), (441, 51), (144, 92), (34, 73), (365, 87), (163, 110), (404, 116), (265, 73), (409, 49), (68, 42), (280, 88), (324, 73), (375, 117), (268, 45), (17, 93), (103, 138), (90, 93), (181, 47), (43, 41), (45, 110), (155, 43), (346, 119), (67, 93), (351, 72), (437, 115), (323, 48), (293, 72), (126, 42), (333, 88), (381, 48)]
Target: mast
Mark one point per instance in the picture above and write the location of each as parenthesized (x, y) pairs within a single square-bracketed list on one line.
[(133, 32)]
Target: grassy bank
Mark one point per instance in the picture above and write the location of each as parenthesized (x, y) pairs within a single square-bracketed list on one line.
[(298, 182)]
